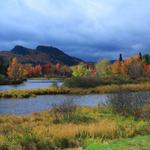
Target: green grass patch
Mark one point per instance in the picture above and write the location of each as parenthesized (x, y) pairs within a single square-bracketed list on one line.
[(136, 143)]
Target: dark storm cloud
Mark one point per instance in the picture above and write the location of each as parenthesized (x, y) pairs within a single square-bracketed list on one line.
[(90, 29)]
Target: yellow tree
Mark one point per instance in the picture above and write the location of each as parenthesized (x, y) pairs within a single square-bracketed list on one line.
[(15, 71), (81, 70), (103, 68)]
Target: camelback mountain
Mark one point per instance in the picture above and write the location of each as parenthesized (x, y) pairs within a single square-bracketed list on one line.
[(40, 55)]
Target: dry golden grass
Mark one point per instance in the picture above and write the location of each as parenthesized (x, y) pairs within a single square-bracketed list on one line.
[(104, 128)]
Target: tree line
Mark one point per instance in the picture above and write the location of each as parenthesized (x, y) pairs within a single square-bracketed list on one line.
[(131, 68), (17, 72)]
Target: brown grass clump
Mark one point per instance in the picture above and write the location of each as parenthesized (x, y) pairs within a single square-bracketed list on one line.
[(105, 129)]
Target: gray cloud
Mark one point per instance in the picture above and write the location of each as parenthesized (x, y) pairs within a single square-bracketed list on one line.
[(89, 29)]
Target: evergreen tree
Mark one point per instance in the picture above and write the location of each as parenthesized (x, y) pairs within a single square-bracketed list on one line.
[(120, 57), (140, 55)]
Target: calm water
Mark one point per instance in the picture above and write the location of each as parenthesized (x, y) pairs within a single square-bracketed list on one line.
[(42, 103), (31, 84), (45, 102)]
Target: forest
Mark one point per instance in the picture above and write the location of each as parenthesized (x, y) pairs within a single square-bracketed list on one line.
[(134, 68)]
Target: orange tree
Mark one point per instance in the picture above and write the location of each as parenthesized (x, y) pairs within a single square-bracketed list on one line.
[(37, 70), (15, 71), (119, 68)]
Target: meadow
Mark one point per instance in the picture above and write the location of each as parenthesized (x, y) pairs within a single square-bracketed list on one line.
[(74, 128)]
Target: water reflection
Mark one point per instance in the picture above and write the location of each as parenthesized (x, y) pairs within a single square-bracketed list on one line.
[(45, 102), (41, 103), (31, 84)]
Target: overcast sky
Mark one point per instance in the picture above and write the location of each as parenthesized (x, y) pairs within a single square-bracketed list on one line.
[(89, 29)]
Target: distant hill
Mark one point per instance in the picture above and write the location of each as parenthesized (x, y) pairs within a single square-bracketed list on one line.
[(40, 55), (112, 61)]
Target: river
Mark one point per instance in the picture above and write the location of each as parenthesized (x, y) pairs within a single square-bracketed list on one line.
[(45, 102), (42, 103)]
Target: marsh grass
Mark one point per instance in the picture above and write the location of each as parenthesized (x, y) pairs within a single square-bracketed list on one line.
[(39, 131), (113, 88)]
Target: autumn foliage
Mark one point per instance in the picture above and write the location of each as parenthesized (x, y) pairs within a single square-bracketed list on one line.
[(15, 71), (130, 68)]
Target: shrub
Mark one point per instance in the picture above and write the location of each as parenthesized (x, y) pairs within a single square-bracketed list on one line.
[(89, 82), (145, 112), (83, 82), (2, 77), (128, 103), (64, 111), (135, 69)]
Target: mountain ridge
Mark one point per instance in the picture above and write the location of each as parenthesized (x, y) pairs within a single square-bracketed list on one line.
[(40, 55)]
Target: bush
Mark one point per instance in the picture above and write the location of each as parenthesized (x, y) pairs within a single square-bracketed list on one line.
[(128, 103), (2, 77), (83, 82), (135, 69), (89, 82), (145, 112), (64, 111)]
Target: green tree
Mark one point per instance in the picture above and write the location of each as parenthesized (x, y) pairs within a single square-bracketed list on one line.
[(103, 68), (81, 70), (146, 59), (3, 66)]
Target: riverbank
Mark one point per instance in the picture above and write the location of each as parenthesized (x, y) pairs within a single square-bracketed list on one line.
[(78, 91), (48, 130), (10, 82)]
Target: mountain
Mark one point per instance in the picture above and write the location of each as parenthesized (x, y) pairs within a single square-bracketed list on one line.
[(20, 50), (112, 61), (40, 55)]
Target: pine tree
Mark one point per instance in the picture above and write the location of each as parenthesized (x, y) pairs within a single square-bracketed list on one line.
[(120, 57), (140, 55)]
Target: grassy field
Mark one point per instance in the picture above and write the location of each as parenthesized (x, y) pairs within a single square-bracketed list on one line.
[(136, 143), (64, 90), (53, 130)]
